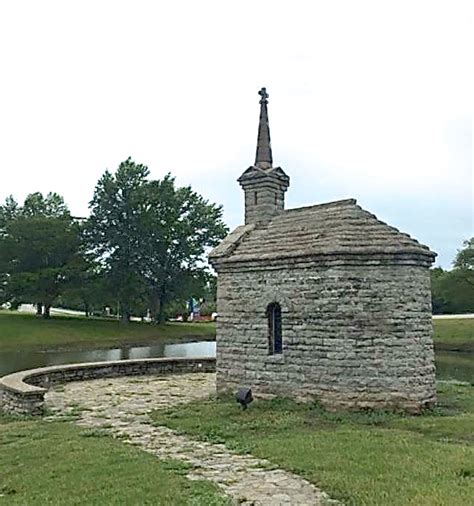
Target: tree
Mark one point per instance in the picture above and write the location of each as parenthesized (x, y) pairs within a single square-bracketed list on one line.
[(149, 236), (7, 212), (114, 229), (438, 297), (462, 278), (181, 226), (51, 206), (464, 261), (87, 288), (453, 291), (38, 242)]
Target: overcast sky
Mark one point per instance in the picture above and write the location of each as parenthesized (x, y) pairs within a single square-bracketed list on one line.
[(371, 100)]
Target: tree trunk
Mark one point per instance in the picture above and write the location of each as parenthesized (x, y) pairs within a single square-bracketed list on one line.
[(39, 309), (160, 318), (153, 308), (86, 309), (46, 313), (125, 314)]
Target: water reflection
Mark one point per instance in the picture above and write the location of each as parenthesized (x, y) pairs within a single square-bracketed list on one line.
[(450, 365), (18, 361)]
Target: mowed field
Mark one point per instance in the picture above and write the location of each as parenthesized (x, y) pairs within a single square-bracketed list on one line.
[(454, 334), (59, 463), (25, 332)]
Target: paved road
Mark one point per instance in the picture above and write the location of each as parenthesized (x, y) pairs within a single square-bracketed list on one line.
[(452, 316)]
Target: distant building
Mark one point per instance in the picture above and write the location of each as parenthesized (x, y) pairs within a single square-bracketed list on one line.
[(322, 302)]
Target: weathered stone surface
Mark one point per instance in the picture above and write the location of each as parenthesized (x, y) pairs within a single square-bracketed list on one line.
[(338, 231), (121, 407), (353, 336), (22, 393)]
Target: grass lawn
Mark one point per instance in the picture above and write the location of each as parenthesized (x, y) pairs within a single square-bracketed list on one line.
[(57, 463), (20, 331), (363, 458), (454, 334)]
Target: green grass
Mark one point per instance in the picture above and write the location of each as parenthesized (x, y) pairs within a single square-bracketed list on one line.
[(57, 463), (454, 334), (455, 366), (19, 331), (365, 458)]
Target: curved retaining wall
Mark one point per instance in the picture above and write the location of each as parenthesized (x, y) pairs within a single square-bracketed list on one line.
[(22, 393)]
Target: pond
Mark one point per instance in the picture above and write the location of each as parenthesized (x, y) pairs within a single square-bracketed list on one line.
[(18, 361), (450, 365)]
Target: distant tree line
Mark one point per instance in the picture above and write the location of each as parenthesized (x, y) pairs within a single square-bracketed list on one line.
[(453, 291), (141, 251)]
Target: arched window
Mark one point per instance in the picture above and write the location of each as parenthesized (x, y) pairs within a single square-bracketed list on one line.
[(275, 344), (255, 198)]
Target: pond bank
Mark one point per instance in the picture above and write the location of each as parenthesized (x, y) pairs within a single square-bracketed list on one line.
[(462, 347), (20, 332), (26, 342), (19, 361)]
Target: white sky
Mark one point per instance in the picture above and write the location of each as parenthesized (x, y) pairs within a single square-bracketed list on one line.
[(371, 100)]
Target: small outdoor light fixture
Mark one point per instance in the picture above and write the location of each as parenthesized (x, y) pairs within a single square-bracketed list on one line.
[(244, 397)]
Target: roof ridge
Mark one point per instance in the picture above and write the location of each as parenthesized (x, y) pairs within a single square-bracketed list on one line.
[(334, 203), (339, 228)]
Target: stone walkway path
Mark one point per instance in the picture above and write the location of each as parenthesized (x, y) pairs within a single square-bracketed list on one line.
[(121, 406)]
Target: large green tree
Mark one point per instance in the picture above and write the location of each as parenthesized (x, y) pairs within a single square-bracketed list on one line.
[(39, 242), (453, 291), (114, 230), (150, 236), (180, 226), (464, 260)]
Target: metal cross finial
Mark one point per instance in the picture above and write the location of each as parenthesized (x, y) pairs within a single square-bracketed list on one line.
[(263, 93)]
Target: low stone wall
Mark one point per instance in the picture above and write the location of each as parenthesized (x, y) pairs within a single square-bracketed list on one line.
[(22, 393)]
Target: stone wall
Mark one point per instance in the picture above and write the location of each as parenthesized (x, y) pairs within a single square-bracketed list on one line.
[(263, 201), (21, 403), (22, 393), (354, 336)]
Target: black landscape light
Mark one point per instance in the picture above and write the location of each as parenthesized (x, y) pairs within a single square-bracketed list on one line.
[(244, 397)]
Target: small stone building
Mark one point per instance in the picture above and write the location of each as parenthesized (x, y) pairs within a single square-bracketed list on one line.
[(322, 302)]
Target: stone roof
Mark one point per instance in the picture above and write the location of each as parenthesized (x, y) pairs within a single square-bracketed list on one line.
[(340, 228)]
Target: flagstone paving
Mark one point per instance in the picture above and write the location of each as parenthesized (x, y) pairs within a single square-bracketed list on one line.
[(121, 407)]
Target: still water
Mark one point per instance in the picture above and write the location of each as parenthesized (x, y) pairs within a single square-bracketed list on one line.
[(18, 361), (450, 365)]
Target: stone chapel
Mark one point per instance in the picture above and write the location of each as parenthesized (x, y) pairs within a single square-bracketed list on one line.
[(324, 302)]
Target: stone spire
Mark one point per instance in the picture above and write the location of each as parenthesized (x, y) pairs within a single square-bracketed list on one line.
[(264, 185), (263, 158)]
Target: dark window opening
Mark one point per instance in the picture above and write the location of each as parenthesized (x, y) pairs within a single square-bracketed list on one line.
[(276, 199), (255, 198), (275, 343)]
